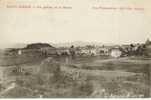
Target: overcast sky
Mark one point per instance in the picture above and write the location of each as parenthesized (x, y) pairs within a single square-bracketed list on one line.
[(81, 23)]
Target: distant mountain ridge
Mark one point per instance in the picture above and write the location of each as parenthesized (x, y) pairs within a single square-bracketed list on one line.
[(76, 43), (12, 45), (63, 44)]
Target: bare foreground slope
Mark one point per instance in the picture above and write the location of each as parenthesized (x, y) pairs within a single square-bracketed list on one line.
[(39, 75)]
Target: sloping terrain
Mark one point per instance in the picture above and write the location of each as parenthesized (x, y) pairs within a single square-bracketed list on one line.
[(81, 77)]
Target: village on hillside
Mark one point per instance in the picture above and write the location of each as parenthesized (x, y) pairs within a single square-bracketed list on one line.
[(87, 50), (41, 70)]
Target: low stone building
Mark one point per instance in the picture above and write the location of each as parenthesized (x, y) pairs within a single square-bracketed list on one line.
[(115, 52), (103, 51), (63, 51), (49, 51)]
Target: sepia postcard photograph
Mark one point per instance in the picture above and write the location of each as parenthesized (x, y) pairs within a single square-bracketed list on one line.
[(75, 49)]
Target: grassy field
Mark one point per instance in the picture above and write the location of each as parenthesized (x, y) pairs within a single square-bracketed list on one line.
[(128, 76), (83, 77)]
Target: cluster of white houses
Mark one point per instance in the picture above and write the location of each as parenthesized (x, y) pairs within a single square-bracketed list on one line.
[(114, 51)]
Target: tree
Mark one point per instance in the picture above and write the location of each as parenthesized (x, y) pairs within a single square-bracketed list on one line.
[(148, 41)]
